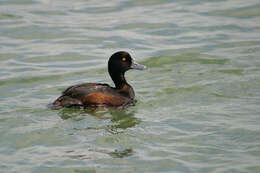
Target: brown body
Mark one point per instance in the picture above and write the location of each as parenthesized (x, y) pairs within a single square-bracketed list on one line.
[(95, 95)]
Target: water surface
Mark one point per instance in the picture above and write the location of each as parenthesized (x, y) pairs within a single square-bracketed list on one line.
[(198, 102)]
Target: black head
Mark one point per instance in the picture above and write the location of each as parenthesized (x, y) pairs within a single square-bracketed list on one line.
[(119, 63)]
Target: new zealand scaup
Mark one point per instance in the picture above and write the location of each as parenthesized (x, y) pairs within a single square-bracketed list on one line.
[(99, 94)]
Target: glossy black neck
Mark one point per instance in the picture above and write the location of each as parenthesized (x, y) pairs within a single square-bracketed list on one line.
[(118, 78)]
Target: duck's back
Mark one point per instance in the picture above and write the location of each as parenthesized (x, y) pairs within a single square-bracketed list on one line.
[(92, 95)]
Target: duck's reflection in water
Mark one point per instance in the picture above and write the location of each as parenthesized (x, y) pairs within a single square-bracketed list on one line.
[(120, 119), (114, 154)]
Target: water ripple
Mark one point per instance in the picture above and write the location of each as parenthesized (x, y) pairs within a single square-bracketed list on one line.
[(197, 104)]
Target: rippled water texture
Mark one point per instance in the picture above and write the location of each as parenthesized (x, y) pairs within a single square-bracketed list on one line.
[(198, 104)]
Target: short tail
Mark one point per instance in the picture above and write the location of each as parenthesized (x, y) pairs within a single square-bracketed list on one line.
[(57, 104), (64, 101)]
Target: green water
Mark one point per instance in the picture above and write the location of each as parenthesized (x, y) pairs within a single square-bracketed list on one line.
[(198, 106)]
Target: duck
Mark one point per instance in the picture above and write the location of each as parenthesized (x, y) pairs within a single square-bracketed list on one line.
[(100, 94)]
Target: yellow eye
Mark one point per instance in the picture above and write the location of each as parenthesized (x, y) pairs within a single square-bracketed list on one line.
[(123, 59)]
